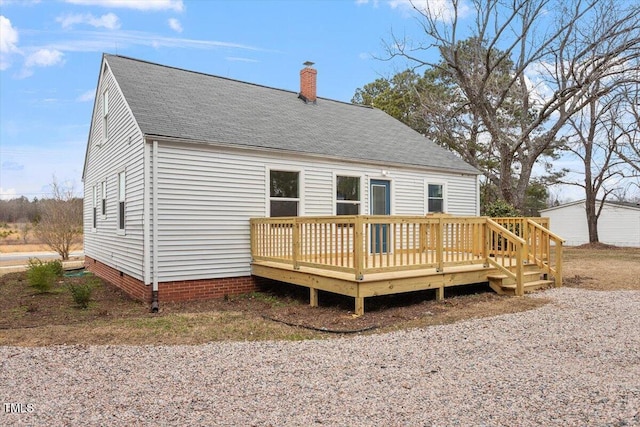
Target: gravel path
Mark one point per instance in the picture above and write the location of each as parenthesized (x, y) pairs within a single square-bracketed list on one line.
[(574, 362)]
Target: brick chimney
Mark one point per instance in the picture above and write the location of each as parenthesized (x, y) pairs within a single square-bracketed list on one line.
[(308, 83)]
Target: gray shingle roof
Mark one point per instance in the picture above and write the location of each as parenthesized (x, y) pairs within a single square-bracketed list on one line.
[(183, 104)]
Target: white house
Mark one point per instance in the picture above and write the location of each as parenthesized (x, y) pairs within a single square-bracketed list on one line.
[(619, 223), (178, 161)]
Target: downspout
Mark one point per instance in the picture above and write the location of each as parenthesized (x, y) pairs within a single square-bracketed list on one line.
[(154, 244), (147, 213)]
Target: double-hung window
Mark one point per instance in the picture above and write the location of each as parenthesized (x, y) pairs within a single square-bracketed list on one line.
[(347, 195), (105, 115), (121, 200), (435, 198), (103, 196), (284, 193), (94, 210)]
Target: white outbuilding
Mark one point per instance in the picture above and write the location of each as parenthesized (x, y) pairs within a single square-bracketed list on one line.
[(619, 223)]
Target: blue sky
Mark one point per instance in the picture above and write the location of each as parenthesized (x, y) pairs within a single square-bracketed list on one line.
[(50, 55)]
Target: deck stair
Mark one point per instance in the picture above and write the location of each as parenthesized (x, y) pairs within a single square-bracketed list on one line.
[(534, 279)]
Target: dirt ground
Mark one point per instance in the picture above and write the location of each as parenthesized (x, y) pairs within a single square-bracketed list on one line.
[(277, 312)]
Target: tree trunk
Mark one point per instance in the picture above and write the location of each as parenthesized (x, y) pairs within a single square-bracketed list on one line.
[(591, 210), (592, 223)]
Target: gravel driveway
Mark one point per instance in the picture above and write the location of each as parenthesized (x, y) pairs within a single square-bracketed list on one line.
[(573, 362)]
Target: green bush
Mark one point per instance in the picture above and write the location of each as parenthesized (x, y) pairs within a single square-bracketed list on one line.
[(500, 208), (81, 293), (56, 267), (40, 275)]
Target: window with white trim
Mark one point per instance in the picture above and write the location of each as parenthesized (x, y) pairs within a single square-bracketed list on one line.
[(347, 195), (103, 196), (121, 199), (94, 203), (105, 115), (435, 198), (284, 193)]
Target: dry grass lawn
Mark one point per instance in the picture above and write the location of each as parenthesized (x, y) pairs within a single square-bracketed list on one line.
[(15, 237), (279, 312), (604, 268)]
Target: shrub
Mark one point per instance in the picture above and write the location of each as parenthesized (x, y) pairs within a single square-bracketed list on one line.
[(500, 208), (40, 275), (81, 293), (56, 267)]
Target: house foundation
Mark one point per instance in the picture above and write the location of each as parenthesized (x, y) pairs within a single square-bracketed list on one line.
[(182, 290)]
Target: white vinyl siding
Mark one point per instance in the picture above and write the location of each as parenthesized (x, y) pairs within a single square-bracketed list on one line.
[(206, 196), (124, 150)]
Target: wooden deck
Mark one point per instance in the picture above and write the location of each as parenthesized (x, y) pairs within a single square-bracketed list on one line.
[(364, 256)]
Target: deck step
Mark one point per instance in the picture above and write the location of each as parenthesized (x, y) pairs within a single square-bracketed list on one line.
[(528, 287), (529, 276), (506, 285)]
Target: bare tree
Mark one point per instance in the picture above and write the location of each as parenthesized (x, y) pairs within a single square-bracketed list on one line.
[(505, 44), (60, 219), (601, 127), (629, 127), (593, 141)]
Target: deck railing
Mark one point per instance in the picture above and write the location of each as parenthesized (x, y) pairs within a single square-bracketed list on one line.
[(362, 245)]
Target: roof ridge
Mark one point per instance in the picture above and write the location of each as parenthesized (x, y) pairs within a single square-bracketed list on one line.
[(225, 78)]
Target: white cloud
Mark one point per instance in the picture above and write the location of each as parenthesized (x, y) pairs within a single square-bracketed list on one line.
[(87, 96), (44, 58), (109, 21), (147, 5), (19, 2), (440, 10), (175, 25), (8, 42), (8, 193), (373, 2), (100, 41), (239, 59)]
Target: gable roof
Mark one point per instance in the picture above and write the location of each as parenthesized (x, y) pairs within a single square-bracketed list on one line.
[(176, 103)]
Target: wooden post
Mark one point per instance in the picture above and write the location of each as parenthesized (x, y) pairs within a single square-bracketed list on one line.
[(358, 248), (440, 293), (252, 238), (519, 271), (359, 310), (313, 297), (525, 236), (296, 244), (486, 237), (440, 246), (558, 276)]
